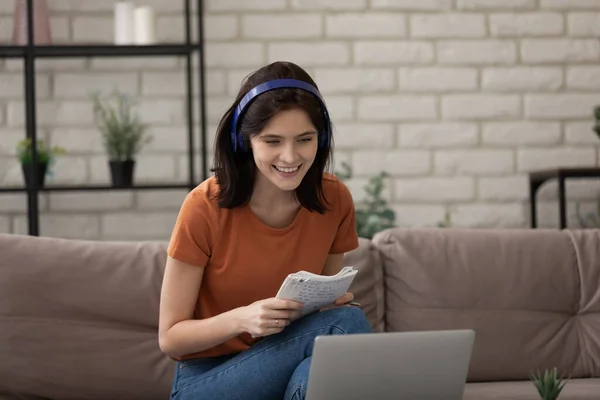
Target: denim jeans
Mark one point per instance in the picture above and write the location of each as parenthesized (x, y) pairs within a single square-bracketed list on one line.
[(275, 368)]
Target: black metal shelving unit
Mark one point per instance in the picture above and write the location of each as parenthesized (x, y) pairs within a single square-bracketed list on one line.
[(187, 49)]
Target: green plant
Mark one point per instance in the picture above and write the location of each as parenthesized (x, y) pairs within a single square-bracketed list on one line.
[(548, 384), (45, 154), (596, 127), (590, 220), (373, 214), (447, 222), (123, 135)]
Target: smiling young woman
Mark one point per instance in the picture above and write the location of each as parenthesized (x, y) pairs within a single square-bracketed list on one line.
[(271, 209)]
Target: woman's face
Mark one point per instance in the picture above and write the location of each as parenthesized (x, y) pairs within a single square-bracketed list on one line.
[(285, 149)]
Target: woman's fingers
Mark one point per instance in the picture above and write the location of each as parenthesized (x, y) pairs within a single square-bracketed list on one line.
[(274, 322), (272, 326), (282, 304), (346, 298), (278, 314)]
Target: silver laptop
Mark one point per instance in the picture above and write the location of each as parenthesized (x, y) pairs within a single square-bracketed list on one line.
[(430, 365)]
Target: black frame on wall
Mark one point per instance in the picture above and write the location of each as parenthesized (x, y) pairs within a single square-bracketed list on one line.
[(30, 52)]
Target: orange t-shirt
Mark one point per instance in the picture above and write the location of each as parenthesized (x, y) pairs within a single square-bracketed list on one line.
[(246, 260)]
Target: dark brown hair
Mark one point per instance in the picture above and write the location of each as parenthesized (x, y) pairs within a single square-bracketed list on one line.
[(235, 171)]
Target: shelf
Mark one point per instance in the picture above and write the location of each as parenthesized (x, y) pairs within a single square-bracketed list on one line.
[(185, 49), (113, 50), (12, 51), (573, 172), (85, 188), (12, 189), (94, 50)]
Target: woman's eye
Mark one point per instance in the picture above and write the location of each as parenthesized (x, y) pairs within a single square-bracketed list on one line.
[(306, 140), (272, 141)]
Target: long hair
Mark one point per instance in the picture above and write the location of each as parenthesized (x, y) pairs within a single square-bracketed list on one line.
[(236, 171)]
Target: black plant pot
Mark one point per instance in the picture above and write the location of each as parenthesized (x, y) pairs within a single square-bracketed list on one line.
[(28, 173), (121, 173)]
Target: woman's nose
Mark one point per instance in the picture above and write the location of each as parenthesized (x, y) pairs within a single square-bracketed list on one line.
[(288, 155)]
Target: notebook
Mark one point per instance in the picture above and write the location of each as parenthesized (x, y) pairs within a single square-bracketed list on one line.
[(316, 291)]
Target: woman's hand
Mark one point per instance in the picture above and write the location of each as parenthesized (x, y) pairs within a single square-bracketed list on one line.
[(345, 300), (269, 316)]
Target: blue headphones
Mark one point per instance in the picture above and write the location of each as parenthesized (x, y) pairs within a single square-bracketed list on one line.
[(237, 139)]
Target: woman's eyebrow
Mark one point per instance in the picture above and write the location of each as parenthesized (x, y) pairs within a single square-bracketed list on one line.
[(275, 136)]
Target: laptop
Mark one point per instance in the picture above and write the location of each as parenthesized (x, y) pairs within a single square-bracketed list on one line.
[(429, 365)]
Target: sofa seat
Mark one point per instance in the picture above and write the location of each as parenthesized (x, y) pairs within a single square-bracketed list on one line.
[(575, 389), (79, 319)]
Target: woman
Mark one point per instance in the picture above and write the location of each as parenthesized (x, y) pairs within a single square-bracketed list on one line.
[(270, 210)]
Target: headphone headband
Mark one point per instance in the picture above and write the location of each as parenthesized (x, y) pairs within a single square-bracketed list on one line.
[(237, 139)]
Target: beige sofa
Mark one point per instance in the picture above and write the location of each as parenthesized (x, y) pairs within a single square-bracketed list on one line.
[(78, 319)]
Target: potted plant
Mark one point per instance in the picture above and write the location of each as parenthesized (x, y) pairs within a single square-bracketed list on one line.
[(373, 214), (45, 159), (123, 135), (548, 384), (590, 220)]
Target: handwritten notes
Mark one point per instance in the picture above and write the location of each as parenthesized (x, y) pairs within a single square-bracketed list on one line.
[(316, 291)]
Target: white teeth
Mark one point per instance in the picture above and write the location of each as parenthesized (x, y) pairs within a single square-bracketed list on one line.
[(288, 170)]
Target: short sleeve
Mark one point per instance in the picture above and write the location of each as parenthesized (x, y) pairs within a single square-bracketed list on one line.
[(195, 230), (346, 238)]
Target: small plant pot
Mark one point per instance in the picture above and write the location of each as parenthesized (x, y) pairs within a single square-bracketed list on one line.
[(28, 173), (121, 173)]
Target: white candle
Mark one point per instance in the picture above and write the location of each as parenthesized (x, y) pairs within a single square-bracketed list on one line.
[(144, 23), (124, 22)]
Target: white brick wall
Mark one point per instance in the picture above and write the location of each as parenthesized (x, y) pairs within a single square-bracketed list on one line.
[(438, 135), (484, 5), (456, 99), (521, 79), (477, 106), (526, 24), (282, 26), (328, 5), (447, 25), (435, 190), (433, 79), (411, 5), (371, 25), (388, 52), (521, 133), (474, 162), (552, 51), (5, 224), (584, 24), (326, 53), (477, 52)]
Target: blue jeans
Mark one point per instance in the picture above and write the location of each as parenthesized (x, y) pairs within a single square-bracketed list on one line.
[(274, 368)]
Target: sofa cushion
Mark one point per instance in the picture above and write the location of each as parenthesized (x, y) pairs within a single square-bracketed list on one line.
[(16, 396), (79, 320), (586, 244), (575, 389), (367, 286), (532, 296)]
